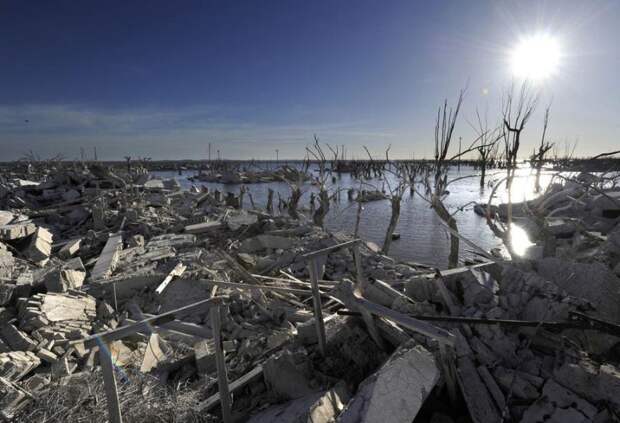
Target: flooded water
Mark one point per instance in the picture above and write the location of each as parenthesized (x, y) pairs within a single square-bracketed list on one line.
[(423, 238)]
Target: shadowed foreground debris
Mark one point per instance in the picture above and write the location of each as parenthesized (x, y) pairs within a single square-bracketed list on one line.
[(124, 298)]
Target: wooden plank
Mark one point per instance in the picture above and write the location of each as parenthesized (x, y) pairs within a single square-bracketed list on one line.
[(257, 287), (121, 332), (177, 271), (222, 378), (331, 249), (317, 306), (178, 326), (356, 302), (214, 399), (109, 382)]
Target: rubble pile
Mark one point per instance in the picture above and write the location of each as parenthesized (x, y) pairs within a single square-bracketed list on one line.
[(122, 281)]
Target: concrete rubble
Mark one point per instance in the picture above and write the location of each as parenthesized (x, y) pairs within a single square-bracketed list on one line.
[(88, 250)]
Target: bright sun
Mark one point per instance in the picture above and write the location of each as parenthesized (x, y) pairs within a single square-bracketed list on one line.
[(536, 57)]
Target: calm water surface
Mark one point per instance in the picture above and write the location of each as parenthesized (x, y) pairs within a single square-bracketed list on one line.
[(423, 238)]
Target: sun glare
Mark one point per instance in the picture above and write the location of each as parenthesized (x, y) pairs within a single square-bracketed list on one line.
[(536, 57)]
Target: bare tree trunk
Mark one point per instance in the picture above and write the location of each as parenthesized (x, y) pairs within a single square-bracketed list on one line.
[(321, 212), (442, 212), (270, 201), (242, 192), (358, 217), (483, 171), (395, 200), (293, 202)]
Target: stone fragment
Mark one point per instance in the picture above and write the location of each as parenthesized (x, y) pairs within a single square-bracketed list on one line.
[(320, 407), (70, 249), (12, 399), (204, 352), (14, 365), (154, 353), (63, 280), (6, 293), (40, 246), (108, 258), (558, 404), (17, 231), (287, 374), (16, 339), (397, 391)]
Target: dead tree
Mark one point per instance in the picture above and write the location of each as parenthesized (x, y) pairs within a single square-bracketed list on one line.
[(515, 117), (324, 195), (395, 191), (295, 181), (444, 129), (488, 144), (538, 157)]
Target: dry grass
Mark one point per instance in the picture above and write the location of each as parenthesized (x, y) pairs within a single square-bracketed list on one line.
[(142, 400)]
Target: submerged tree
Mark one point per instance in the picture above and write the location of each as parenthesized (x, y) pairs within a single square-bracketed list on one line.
[(444, 129), (488, 144), (515, 116), (397, 176), (538, 157), (324, 196)]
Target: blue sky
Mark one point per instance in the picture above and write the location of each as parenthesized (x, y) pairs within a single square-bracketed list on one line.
[(163, 79)]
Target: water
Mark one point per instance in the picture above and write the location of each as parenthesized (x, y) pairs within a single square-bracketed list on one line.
[(423, 238)]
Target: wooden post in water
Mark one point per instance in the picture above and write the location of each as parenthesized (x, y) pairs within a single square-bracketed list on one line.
[(313, 268), (109, 381), (222, 378)]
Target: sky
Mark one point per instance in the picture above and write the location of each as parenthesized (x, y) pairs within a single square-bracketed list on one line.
[(163, 79)]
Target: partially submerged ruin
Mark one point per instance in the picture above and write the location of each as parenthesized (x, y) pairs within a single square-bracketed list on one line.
[(125, 298)]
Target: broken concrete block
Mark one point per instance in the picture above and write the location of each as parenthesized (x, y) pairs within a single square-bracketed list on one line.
[(16, 339), (397, 391), (204, 352), (40, 246), (70, 249), (6, 293), (15, 365), (478, 399), (7, 262), (47, 356), (558, 404), (108, 258), (154, 354), (6, 217), (17, 231), (204, 227), (63, 280), (12, 399), (320, 407), (287, 374), (59, 316)]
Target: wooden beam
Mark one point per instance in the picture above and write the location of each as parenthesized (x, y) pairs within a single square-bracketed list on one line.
[(331, 249), (121, 332), (109, 382), (177, 271), (357, 302), (222, 378), (317, 307), (214, 399)]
